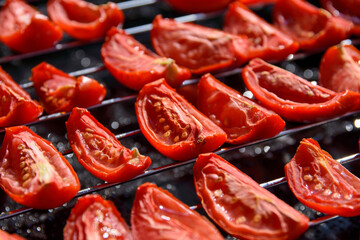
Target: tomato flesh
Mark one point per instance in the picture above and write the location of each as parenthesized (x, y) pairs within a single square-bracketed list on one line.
[(98, 150), (172, 125), (321, 183), (33, 172), (240, 206), (156, 214), (6, 236), (96, 217)]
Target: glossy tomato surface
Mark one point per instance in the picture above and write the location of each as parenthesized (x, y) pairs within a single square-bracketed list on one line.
[(240, 206), (156, 214), (93, 217), (293, 97), (199, 48), (17, 107), (174, 126), (195, 6), (242, 119), (84, 20), (24, 29), (6, 236), (133, 65), (60, 92), (340, 68), (321, 183), (313, 28), (33, 173), (98, 150), (265, 41)]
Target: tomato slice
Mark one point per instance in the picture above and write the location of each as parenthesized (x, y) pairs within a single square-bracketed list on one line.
[(60, 92), (240, 206), (17, 107), (24, 29), (6, 236), (321, 183), (84, 20), (293, 97), (96, 217), (172, 125), (133, 65), (313, 28), (265, 41), (242, 119), (98, 150), (340, 69), (156, 214), (348, 9), (196, 47), (196, 6), (33, 173)]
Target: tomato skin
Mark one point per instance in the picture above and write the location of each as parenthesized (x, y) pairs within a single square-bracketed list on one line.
[(311, 27), (156, 214), (340, 69), (242, 119), (60, 92), (133, 65), (196, 6), (93, 217), (24, 29), (17, 106), (6, 236), (33, 173), (98, 150), (321, 183), (293, 97), (84, 20), (172, 125), (196, 47), (240, 206), (265, 41)]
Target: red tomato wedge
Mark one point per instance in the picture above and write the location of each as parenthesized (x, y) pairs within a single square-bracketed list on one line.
[(199, 48), (321, 183), (172, 125), (6, 236), (33, 173), (313, 28), (242, 119), (98, 150), (93, 217), (347, 9), (24, 29), (256, 2), (196, 6), (17, 107), (84, 20), (133, 65), (60, 92), (340, 68), (265, 41), (156, 214), (240, 206), (293, 97)]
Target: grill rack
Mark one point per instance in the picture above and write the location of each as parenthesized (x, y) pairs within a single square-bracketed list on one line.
[(174, 176)]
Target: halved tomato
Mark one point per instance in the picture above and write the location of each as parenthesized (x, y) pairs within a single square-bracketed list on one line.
[(242, 119), (24, 29), (84, 20), (195, 6), (321, 183), (60, 92), (172, 125), (156, 214), (97, 149), (17, 107), (33, 172), (313, 28), (199, 48), (240, 206), (133, 65), (95, 218)]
